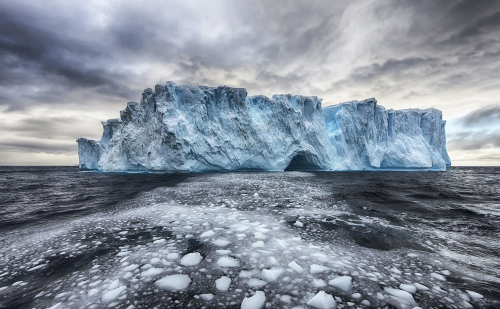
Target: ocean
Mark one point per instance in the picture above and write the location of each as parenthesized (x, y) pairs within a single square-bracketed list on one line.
[(76, 239)]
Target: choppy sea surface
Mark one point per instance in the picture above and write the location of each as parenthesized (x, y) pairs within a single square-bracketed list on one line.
[(73, 239)]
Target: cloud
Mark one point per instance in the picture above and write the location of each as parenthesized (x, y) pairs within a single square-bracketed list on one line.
[(473, 141), (482, 116), (99, 55)]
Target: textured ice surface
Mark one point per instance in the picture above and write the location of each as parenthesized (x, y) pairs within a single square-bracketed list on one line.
[(367, 136), (198, 128), (113, 274)]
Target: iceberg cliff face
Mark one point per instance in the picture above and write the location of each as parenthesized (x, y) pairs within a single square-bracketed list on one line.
[(367, 136), (197, 128)]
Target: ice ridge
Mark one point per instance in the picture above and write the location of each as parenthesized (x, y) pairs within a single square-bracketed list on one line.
[(198, 129)]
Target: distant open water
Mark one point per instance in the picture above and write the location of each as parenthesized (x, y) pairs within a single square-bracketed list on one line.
[(73, 239)]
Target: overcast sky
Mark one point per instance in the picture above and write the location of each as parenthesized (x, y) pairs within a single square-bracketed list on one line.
[(67, 65)]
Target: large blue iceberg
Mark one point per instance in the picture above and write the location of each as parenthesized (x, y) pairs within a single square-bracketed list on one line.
[(197, 129)]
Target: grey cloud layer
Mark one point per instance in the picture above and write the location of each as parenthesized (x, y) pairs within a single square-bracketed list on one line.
[(60, 53)]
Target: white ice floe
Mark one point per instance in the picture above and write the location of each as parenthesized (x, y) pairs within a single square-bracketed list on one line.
[(227, 261), (421, 287), (343, 283), (257, 301), (317, 269), (207, 234), (221, 242), (152, 272), (474, 294), (112, 294), (259, 244), (322, 300), (405, 296), (222, 284), (207, 297), (255, 283), (174, 282), (191, 259), (293, 265), (408, 288), (272, 274)]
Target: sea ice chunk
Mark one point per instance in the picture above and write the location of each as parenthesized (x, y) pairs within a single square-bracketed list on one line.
[(207, 297), (174, 282), (256, 283), (407, 297), (408, 288), (343, 283), (207, 234), (222, 284), (113, 294), (272, 274), (257, 301), (316, 269), (191, 259), (293, 265), (322, 301), (474, 294), (227, 261), (221, 242), (152, 272)]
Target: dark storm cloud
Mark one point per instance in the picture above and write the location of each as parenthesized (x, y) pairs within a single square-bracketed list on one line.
[(87, 56), (45, 146), (474, 141), (482, 116)]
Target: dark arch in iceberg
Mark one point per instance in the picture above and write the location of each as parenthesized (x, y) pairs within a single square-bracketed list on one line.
[(303, 161)]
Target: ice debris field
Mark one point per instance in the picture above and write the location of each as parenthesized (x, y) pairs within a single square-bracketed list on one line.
[(238, 240), (199, 129)]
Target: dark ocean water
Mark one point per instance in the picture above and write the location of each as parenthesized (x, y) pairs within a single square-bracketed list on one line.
[(73, 239)]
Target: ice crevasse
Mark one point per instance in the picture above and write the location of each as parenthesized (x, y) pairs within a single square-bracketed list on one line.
[(198, 129)]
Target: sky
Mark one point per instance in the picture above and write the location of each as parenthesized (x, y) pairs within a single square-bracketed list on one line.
[(67, 65)]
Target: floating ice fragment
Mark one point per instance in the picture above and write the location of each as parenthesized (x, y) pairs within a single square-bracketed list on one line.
[(322, 301), (173, 282), (298, 224), (438, 277), (293, 265), (222, 284), (256, 283), (319, 283), (207, 297), (316, 269), (152, 272), (258, 244), (343, 283), (271, 274), (227, 261), (92, 292), (114, 284), (191, 259), (113, 294), (257, 301), (223, 252), (412, 255), (474, 294), (221, 242), (172, 256), (421, 287), (408, 288), (207, 233), (407, 297)]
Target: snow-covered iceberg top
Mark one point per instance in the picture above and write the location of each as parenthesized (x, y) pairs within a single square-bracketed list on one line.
[(198, 128)]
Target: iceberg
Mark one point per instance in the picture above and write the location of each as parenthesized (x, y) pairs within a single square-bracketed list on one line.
[(186, 128)]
